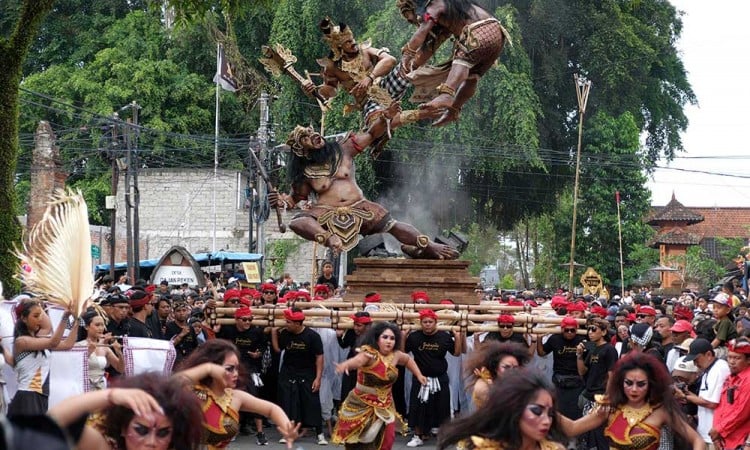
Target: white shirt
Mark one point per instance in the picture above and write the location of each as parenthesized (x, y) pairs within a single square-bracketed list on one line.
[(710, 389)]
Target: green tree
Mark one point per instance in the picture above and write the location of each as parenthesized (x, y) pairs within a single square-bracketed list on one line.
[(14, 46), (611, 161), (696, 267)]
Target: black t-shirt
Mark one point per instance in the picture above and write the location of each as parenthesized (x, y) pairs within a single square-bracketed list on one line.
[(515, 337), (333, 281), (118, 329), (429, 351), (300, 350), (563, 353), (251, 340), (599, 360), (187, 344), (139, 329)]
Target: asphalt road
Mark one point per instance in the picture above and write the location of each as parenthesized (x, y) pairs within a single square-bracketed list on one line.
[(310, 443)]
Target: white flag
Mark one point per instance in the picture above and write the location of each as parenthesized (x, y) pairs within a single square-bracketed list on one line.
[(224, 76)]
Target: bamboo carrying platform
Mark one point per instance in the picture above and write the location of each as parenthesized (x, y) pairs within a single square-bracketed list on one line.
[(474, 318), (397, 278)]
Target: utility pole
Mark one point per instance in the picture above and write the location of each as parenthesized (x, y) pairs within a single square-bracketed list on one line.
[(113, 210), (262, 188), (136, 195), (129, 206), (583, 87)]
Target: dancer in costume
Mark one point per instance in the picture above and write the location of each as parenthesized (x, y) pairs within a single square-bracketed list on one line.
[(145, 411), (519, 414), (639, 402), (489, 362), (101, 355), (368, 417), (214, 369), (341, 212), (479, 40), (31, 353)]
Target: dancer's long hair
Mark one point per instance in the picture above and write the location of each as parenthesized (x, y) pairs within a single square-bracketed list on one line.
[(373, 334), (489, 356), (180, 405), (499, 418)]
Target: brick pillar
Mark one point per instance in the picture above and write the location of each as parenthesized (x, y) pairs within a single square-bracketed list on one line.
[(46, 173)]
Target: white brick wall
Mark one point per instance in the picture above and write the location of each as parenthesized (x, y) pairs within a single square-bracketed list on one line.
[(176, 209)]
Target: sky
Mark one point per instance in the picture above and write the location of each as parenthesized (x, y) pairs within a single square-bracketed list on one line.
[(716, 52)]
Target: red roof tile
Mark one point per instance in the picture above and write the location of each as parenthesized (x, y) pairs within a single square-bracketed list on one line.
[(722, 222)]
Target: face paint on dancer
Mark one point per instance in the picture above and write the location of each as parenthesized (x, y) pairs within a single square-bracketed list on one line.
[(537, 418), (231, 370), (386, 341), (635, 385), (151, 431)]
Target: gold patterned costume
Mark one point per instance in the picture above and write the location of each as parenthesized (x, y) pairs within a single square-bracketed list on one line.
[(221, 422), (480, 443), (348, 222), (627, 430), (368, 410)]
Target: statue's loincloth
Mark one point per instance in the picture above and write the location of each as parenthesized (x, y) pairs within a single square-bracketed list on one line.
[(348, 222), (479, 45), (477, 48)]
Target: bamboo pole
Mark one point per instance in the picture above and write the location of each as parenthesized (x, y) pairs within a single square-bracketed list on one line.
[(360, 306), (401, 315), (403, 326)]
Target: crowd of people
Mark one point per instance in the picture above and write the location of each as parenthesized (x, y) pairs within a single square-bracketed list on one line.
[(631, 372)]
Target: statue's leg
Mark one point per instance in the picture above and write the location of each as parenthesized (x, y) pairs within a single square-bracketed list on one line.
[(310, 229), (464, 93), (419, 245)]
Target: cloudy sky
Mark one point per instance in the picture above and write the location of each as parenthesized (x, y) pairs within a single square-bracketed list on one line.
[(715, 168)]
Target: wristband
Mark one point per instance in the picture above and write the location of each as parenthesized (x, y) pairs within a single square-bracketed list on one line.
[(371, 78)]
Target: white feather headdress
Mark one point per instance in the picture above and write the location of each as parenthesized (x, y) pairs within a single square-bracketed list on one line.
[(56, 262)]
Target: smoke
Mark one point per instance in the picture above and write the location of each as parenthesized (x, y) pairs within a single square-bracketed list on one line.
[(425, 194)]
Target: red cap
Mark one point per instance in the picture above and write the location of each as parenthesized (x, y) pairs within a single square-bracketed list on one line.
[(302, 296), (268, 287), (599, 311), (577, 306), (631, 317), (138, 298), (568, 322), (363, 318), (420, 295), (682, 312), (739, 346), (246, 292), (681, 326), (531, 302), (647, 310), (372, 298), (321, 287), (446, 301), (231, 293), (294, 316), (558, 301), (246, 302), (506, 318), (427, 313), (243, 311), (513, 302), (151, 288)]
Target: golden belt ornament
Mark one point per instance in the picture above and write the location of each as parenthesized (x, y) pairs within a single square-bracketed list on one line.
[(345, 222)]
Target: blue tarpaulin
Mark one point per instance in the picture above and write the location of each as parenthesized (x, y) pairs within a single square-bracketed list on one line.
[(204, 259)]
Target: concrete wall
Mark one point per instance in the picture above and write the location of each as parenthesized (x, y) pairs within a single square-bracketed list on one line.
[(176, 209)]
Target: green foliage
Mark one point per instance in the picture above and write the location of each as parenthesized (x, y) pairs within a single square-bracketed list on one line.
[(483, 248), (279, 251), (507, 282), (610, 162), (729, 250), (696, 267)]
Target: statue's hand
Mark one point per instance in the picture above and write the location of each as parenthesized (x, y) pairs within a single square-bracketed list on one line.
[(335, 243), (309, 87), (277, 199), (392, 111)]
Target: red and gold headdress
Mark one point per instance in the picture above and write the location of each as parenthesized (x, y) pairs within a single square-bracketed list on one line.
[(335, 36)]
